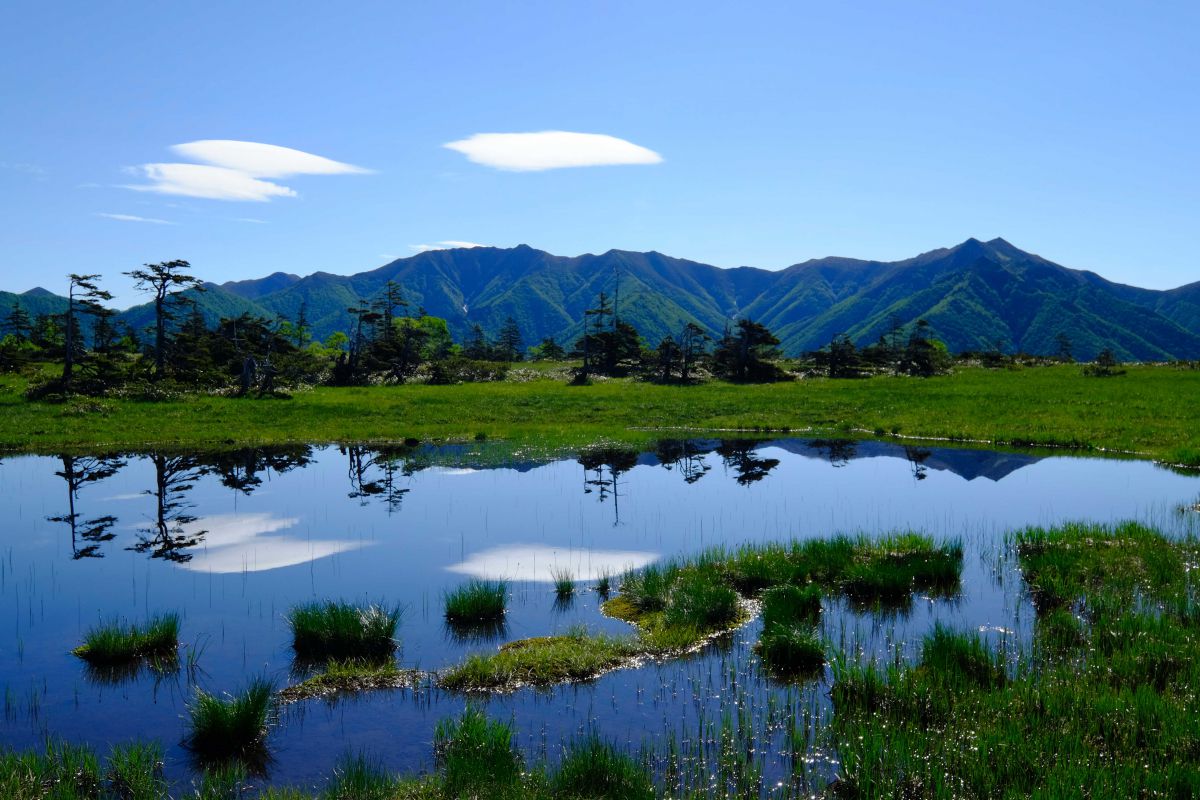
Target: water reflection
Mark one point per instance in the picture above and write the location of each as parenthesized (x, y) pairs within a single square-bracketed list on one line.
[(538, 563), (86, 535), (739, 456), (170, 535), (241, 543)]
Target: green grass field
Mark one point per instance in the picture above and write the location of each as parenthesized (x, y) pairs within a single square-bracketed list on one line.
[(1150, 411)]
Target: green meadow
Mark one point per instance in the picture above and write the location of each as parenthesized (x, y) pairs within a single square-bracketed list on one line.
[(1150, 411)]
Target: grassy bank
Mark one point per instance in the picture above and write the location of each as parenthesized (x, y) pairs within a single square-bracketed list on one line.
[(1150, 411)]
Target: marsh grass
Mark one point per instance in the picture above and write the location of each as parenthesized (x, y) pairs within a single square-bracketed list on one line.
[(1152, 410), (593, 769), (476, 602), (962, 658), (357, 777), (136, 771), (1108, 684), (564, 582), (341, 677), (119, 642), (230, 727), (604, 585), (791, 605), (61, 770), (791, 650), (340, 630), (542, 661), (475, 755)]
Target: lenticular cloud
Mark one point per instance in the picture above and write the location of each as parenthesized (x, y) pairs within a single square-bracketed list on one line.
[(233, 170), (534, 152)]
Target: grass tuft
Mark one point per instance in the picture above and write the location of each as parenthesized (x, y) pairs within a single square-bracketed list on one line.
[(340, 630), (791, 605), (564, 582), (221, 729), (476, 755), (791, 649), (477, 601), (119, 642), (592, 769)]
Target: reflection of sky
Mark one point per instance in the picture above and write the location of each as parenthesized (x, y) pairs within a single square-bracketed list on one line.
[(521, 562), (241, 543)]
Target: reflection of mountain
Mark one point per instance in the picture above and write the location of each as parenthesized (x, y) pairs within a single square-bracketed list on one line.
[(966, 464)]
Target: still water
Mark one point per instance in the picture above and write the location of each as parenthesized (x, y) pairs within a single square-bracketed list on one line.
[(231, 540)]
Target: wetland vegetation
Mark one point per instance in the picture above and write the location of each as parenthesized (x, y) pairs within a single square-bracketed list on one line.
[(841, 665)]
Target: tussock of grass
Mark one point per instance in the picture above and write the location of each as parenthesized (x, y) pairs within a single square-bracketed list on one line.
[(564, 582), (230, 727), (593, 769), (339, 630), (961, 657), (791, 605), (339, 677), (476, 602), (120, 642), (791, 650), (542, 661), (476, 755), (136, 771)]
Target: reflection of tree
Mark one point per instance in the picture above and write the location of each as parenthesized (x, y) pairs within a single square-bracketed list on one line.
[(166, 538), (916, 458), (838, 451), (77, 472), (373, 473), (613, 459), (243, 470), (684, 454), (738, 455)]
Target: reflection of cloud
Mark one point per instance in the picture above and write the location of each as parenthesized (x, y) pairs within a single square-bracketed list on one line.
[(130, 496), (533, 562), (456, 471), (239, 543)]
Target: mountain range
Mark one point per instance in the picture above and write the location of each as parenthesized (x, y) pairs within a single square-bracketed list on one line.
[(974, 294)]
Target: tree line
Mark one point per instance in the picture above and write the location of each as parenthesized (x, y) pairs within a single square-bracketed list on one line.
[(390, 341)]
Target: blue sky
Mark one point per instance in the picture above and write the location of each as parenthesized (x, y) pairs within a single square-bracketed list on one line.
[(776, 132)]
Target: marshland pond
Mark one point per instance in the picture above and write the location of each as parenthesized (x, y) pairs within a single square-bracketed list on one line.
[(232, 540)]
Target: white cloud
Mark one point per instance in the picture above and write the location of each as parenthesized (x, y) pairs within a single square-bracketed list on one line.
[(232, 170), (448, 244), (262, 160), (132, 218), (532, 152), (22, 166), (250, 220), (212, 183)]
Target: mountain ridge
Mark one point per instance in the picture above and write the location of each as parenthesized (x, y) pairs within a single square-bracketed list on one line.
[(975, 294)]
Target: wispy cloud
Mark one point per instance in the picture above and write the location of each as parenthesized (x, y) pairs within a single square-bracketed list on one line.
[(533, 152), (262, 160), (251, 220), (449, 244), (22, 166), (133, 218), (232, 170)]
